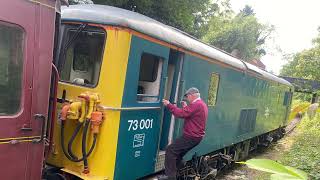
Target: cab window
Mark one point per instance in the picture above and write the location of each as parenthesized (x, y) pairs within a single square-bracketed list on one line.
[(149, 78), (287, 98), (11, 68), (83, 57)]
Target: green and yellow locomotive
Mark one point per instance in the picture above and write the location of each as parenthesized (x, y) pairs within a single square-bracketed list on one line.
[(116, 66)]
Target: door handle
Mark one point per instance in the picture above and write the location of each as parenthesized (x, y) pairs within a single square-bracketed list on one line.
[(26, 129), (42, 136)]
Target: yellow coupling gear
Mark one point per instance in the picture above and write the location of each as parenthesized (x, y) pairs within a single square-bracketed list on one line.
[(64, 112), (96, 120), (74, 111), (93, 100), (83, 110)]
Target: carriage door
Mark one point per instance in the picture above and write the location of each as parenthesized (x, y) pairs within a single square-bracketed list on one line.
[(24, 86)]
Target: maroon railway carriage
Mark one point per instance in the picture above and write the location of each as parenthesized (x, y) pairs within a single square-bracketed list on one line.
[(27, 29)]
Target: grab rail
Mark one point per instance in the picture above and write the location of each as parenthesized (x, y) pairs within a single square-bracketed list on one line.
[(101, 107)]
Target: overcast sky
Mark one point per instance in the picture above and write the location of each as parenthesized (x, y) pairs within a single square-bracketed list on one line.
[(296, 23)]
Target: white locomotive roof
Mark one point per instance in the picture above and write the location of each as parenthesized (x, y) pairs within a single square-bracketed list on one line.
[(109, 15)]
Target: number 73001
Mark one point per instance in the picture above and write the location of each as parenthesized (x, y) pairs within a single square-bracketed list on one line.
[(140, 124)]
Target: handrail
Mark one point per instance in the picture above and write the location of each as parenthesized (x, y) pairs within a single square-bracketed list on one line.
[(147, 95), (101, 107)]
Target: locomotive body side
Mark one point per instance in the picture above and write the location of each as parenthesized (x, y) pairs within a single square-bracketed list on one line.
[(132, 71), (246, 106)]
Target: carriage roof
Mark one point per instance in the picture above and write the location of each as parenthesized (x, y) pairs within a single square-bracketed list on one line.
[(109, 15)]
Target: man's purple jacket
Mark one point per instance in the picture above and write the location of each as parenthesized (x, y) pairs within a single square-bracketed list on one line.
[(195, 117)]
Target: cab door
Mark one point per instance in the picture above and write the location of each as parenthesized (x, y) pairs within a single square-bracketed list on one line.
[(142, 110), (26, 44)]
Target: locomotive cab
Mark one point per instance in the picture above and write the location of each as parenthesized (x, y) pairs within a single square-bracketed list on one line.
[(130, 76)]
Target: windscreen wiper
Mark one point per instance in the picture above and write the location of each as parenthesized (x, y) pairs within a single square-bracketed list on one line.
[(74, 37), (69, 43)]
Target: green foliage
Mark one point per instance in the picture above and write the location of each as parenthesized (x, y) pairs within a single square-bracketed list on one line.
[(242, 34), (71, 2), (247, 11), (185, 15), (316, 41), (210, 20), (305, 153), (278, 170), (216, 9), (302, 154), (305, 64)]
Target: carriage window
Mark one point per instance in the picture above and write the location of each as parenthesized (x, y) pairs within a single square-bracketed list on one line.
[(84, 56), (11, 60), (149, 78), (213, 89)]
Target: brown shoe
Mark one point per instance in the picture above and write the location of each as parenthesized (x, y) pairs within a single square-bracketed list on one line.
[(165, 177)]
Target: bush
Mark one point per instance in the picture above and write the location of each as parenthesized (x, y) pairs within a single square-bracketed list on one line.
[(305, 152), (277, 170)]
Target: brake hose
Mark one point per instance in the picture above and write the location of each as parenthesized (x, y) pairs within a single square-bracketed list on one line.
[(75, 133), (75, 159), (62, 142), (84, 145)]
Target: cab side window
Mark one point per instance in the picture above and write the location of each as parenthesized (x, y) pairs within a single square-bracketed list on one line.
[(213, 89), (11, 67), (287, 98), (149, 78), (83, 57)]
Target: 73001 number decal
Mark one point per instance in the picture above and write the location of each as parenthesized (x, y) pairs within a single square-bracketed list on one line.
[(140, 124)]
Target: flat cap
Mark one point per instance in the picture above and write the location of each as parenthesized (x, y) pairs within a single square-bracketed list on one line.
[(192, 90)]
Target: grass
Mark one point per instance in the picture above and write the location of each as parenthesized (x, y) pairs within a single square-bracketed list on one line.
[(304, 153)]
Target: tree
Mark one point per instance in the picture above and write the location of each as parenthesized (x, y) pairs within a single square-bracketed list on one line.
[(80, 2), (210, 20), (216, 9), (186, 15), (242, 34), (247, 11), (316, 41), (305, 64)]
